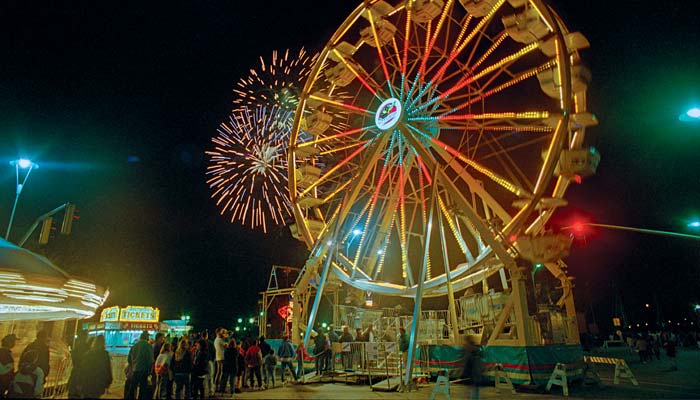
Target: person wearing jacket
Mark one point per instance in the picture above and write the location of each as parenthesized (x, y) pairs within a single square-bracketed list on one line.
[(41, 347), (28, 382), (286, 356), (7, 363), (200, 365), (230, 366), (140, 363), (163, 372), (96, 376), (182, 368), (253, 360)]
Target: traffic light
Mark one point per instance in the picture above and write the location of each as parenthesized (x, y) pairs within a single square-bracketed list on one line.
[(67, 224), (45, 230)]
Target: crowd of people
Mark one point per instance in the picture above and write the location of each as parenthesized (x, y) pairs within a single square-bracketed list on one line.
[(195, 366), (192, 366)]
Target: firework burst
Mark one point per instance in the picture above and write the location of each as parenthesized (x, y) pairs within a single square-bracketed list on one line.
[(248, 166), (275, 83)]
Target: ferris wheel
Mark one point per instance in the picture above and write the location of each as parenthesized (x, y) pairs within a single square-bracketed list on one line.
[(462, 126)]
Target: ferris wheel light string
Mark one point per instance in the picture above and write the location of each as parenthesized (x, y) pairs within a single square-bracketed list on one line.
[(477, 29), (379, 52), (429, 46), (357, 75)]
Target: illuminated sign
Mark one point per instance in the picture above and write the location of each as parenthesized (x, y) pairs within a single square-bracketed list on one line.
[(110, 314), (388, 114), (617, 322), (130, 314), (139, 314)]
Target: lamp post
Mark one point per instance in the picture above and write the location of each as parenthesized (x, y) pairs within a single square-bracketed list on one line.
[(22, 163)]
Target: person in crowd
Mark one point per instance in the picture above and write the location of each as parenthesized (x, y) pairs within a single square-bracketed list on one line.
[(96, 376), (209, 387), (241, 369), (163, 372), (359, 337), (270, 363), (368, 334), (320, 350), (403, 340), (670, 346), (200, 364), (182, 368), (332, 339), (264, 351), (140, 363), (230, 367), (219, 349), (156, 344), (244, 350), (301, 355), (80, 349), (253, 360), (7, 363), (28, 382), (41, 347), (346, 337), (641, 347), (286, 356), (656, 348)]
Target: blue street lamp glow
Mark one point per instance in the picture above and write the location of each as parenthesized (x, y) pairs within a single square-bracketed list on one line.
[(692, 115), (356, 232), (24, 163), (694, 224)]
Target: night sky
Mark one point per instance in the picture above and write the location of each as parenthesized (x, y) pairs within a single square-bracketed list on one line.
[(117, 102)]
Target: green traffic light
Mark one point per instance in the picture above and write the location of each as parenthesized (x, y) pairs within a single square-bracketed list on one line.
[(240, 320), (251, 320)]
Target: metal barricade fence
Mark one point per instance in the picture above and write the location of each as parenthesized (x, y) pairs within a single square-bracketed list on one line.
[(56, 383)]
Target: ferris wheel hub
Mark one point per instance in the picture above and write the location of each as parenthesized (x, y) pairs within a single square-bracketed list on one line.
[(388, 114)]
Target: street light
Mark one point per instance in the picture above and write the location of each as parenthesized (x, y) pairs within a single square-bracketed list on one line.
[(22, 163), (692, 115)]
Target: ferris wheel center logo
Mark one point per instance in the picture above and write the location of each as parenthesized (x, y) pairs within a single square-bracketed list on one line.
[(388, 114)]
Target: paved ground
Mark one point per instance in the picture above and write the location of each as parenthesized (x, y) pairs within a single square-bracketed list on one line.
[(655, 381)]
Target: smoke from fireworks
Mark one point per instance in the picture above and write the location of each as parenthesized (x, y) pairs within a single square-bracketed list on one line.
[(248, 166)]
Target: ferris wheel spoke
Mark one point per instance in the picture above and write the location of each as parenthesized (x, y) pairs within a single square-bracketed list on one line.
[(364, 78), (323, 139), (370, 213), (340, 105), (510, 83), (344, 148), (332, 170), (519, 115), (455, 232), (433, 39), (506, 184), (469, 78), (477, 30), (379, 52), (505, 153)]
